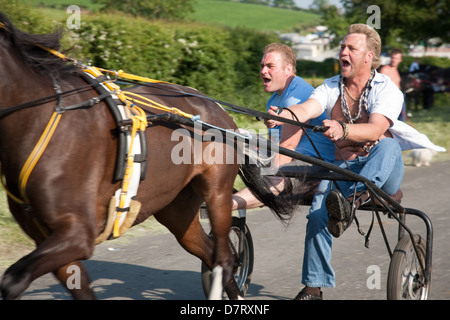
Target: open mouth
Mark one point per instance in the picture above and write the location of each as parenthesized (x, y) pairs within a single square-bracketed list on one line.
[(345, 63), (266, 80)]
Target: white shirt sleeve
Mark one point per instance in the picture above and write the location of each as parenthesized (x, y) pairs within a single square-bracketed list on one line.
[(326, 94), (320, 94), (386, 99)]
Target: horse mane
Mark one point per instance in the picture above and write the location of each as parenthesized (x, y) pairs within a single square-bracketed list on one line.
[(27, 46)]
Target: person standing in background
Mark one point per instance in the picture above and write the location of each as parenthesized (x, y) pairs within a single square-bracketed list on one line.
[(391, 70)]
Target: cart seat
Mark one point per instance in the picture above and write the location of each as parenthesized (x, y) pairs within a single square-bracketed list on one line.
[(312, 175), (397, 197)]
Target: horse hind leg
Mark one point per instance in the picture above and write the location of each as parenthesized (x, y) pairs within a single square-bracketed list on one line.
[(181, 218)]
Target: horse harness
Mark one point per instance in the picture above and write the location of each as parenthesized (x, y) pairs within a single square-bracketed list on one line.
[(131, 122), (130, 168)]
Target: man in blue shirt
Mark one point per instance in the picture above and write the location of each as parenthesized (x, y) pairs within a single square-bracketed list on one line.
[(278, 74)]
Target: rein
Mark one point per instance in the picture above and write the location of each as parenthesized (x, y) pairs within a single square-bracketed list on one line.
[(134, 79), (236, 108), (128, 98), (138, 79), (41, 101)]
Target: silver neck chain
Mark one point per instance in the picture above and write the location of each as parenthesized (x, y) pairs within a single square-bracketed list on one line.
[(362, 100)]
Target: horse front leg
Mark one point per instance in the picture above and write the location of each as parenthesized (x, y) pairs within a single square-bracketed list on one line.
[(68, 243), (76, 279), (223, 260), (218, 202), (181, 218)]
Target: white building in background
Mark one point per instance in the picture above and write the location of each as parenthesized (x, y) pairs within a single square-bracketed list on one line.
[(314, 46), (435, 48)]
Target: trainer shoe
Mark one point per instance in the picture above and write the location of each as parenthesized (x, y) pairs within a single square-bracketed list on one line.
[(340, 213), (308, 293)]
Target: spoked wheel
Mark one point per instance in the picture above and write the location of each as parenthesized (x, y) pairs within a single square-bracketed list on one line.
[(406, 277), (241, 244)]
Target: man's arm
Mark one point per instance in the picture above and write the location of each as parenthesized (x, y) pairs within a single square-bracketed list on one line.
[(305, 111), (291, 134), (359, 132)]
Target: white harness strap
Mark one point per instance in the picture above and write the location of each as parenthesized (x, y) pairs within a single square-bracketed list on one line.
[(130, 183), (123, 207)]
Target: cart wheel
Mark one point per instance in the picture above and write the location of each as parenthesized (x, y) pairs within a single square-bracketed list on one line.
[(242, 247), (406, 278)]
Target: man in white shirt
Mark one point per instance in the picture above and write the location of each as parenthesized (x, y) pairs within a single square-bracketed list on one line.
[(363, 107)]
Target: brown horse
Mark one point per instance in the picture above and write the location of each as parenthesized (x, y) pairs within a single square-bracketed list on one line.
[(70, 187)]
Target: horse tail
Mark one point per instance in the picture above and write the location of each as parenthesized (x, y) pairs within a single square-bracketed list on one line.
[(284, 202)]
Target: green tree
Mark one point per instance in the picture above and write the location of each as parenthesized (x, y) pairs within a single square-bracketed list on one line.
[(410, 21), (284, 3), (155, 9), (319, 6), (24, 17), (335, 21), (262, 2)]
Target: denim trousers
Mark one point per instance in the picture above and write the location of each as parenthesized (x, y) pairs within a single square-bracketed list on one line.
[(384, 167)]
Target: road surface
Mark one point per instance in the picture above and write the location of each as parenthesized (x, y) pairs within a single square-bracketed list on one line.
[(151, 265)]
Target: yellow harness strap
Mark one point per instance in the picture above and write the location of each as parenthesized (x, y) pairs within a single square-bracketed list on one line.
[(36, 154), (139, 123), (123, 95), (129, 76), (9, 193), (32, 160), (29, 165), (153, 104)]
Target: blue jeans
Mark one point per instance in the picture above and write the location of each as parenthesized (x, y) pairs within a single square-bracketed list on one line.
[(384, 167)]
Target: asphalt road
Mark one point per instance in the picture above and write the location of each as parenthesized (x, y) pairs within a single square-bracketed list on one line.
[(151, 265)]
